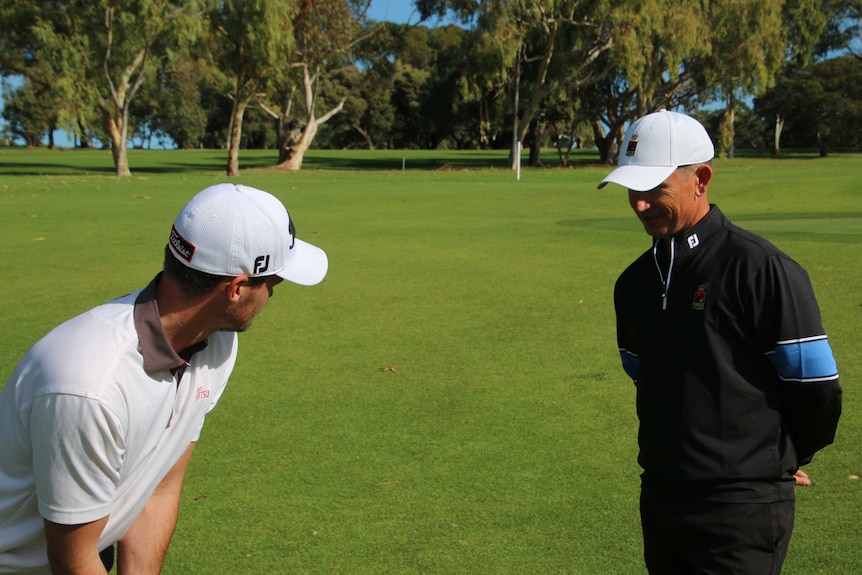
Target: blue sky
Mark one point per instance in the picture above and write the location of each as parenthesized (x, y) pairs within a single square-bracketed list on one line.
[(400, 11)]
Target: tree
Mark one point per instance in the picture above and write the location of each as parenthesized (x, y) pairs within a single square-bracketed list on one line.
[(528, 37), (747, 49), (179, 99), (324, 32), (252, 39), (843, 33), (94, 54), (816, 106), (345, 131), (28, 114)]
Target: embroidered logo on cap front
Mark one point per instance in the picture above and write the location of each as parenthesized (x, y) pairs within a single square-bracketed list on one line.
[(633, 145), (182, 247), (292, 231), (699, 298)]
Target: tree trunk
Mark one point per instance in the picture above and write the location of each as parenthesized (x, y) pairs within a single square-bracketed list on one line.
[(235, 136), (292, 154), (724, 147), (776, 142), (118, 146), (608, 151), (365, 135), (539, 89), (536, 131), (295, 139), (84, 139), (731, 148)]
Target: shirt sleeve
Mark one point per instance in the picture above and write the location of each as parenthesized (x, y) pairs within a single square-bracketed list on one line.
[(797, 346), (627, 347), (78, 447)]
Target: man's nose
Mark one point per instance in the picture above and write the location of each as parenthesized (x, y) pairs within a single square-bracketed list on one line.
[(639, 203)]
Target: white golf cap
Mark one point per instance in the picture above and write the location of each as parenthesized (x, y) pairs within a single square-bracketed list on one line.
[(233, 230), (656, 145)]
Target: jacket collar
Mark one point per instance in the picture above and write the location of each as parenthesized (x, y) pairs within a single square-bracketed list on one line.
[(690, 241)]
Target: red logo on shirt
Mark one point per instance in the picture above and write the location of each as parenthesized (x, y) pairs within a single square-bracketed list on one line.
[(202, 394), (699, 298)]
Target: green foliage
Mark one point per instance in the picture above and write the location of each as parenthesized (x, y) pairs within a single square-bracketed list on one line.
[(819, 105), (450, 399), (27, 115)]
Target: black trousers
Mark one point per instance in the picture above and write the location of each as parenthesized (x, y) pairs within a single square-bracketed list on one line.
[(684, 537), (107, 557)]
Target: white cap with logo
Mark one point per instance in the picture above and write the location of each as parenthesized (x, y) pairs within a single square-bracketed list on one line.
[(233, 230), (657, 144)]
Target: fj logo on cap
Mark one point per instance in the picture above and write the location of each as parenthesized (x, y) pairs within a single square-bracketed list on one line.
[(261, 264), (182, 247), (633, 145)]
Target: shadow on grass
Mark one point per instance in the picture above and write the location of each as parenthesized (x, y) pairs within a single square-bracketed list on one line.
[(41, 161), (90, 162)]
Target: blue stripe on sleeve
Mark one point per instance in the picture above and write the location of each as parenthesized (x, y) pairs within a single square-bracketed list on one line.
[(804, 360), (631, 364)]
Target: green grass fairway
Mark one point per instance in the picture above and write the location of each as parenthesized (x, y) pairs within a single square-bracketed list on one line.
[(450, 400)]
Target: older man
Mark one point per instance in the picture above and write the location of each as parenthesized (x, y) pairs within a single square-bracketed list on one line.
[(736, 383)]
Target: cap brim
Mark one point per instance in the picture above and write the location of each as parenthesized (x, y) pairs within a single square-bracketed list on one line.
[(638, 178), (308, 266)]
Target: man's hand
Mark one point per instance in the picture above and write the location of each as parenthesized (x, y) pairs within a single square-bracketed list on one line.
[(802, 479)]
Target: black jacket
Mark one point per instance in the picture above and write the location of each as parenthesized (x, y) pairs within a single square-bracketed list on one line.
[(736, 383)]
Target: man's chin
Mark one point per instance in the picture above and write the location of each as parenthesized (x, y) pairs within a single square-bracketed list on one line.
[(236, 329), (655, 229)]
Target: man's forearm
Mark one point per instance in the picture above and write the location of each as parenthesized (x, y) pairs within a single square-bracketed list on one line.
[(142, 549), (72, 548)]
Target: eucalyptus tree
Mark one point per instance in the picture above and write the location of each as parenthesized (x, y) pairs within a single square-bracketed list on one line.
[(94, 54), (747, 48), (374, 60), (179, 99), (324, 32), (345, 131), (853, 28), (751, 40), (819, 105), (657, 60), (29, 114), (252, 39), (657, 45), (528, 35)]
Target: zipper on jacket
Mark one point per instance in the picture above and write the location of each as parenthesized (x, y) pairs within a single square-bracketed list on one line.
[(665, 281)]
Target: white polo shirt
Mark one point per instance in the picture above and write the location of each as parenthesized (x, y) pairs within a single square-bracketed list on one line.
[(93, 418)]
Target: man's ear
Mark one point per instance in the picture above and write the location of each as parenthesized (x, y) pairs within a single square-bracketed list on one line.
[(233, 287), (704, 175)]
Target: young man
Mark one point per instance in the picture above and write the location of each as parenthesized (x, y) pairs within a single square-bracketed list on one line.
[(99, 419), (736, 383)]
